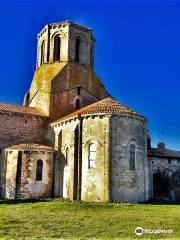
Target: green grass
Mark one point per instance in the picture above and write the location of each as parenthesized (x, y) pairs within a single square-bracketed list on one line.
[(57, 219)]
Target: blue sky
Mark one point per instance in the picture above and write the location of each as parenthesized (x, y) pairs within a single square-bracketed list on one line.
[(137, 54)]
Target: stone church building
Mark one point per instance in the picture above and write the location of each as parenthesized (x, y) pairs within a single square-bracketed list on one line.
[(71, 139)]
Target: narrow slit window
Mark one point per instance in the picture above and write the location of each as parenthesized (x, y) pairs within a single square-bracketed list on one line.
[(67, 156), (78, 104), (39, 170), (77, 57), (91, 56), (57, 48), (42, 52), (132, 156)]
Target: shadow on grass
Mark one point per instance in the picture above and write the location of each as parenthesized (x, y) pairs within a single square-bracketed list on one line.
[(158, 201), (152, 201), (19, 201)]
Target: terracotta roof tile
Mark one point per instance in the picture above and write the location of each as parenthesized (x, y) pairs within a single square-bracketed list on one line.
[(156, 152), (105, 106), (31, 146), (13, 108)]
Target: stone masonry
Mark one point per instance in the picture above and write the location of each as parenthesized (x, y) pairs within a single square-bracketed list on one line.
[(71, 139)]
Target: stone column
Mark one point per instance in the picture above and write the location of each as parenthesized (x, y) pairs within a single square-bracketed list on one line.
[(107, 172), (24, 191)]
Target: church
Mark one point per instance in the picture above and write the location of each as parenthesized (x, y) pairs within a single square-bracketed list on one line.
[(71, 139)]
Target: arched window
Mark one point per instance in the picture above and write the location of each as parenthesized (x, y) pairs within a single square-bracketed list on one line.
[(92, 155), (39, 170), (78, 104), (57, 48), (77, 56), (42, 52), (67, 155), (132, 156)]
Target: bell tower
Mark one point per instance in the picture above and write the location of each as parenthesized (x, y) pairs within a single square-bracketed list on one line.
[(64, 79), (69, 42)]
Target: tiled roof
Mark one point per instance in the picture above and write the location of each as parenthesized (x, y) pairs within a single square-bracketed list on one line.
[(31, 146), (13, 108), (156, 152), (105, 106)]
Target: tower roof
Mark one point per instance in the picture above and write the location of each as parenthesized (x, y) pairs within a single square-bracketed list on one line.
[(106, 106), (70, 23), (66, 22)]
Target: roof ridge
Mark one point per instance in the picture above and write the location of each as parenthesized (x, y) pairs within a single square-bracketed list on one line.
[(98, 102), (67, 21), (15, 104), (17, 108), (31, 145), (111, 105), (166, 149)]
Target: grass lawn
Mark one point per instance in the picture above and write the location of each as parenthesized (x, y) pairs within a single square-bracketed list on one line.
[(55, 219)]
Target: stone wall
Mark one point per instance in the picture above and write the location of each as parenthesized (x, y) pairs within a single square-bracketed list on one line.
[(47, 36), (95, 181), (40, 89), (42, 188), (128, 185), (160, 182), (64, 171), (1, 171), (15, 128), (68, 33), (86, 44), (159, 164), (54, 82), (54, 88), (10, 175), (65, 102), (110, 179), (20, 182)]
